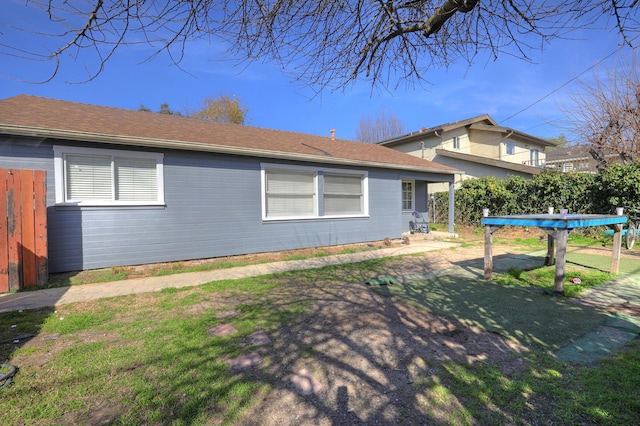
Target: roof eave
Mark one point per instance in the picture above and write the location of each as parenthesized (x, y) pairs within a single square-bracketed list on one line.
[(510, 131), (205, 147), (490, 162)]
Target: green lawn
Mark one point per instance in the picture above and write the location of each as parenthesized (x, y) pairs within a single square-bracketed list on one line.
[(150, 359)]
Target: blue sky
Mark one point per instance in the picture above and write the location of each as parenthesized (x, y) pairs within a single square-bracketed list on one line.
[(500, 88)]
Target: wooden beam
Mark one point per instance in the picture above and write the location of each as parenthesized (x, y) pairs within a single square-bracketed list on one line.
[(550, 259), (488, 256), (617, 244), (561, 260)]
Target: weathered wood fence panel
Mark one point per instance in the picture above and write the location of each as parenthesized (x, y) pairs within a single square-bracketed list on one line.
[(23, 229)]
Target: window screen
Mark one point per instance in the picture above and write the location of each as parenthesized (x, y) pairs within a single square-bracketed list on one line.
[(135, 179), (343, 194), (290, 193), (89, 176)]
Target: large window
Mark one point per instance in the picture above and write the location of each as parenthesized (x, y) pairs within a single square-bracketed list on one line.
[(304, 192), (290, 193), (86, 176), (343, 194), (408, 195), (534, 157)]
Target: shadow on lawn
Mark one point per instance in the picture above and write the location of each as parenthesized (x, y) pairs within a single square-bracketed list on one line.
[(391, 363), (535, 319), (376, 360), (16, 329)]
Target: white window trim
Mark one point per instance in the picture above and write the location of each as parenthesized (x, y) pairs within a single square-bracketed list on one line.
[(456, 142), (59, 152), (317, 171), (413, 194), (513, 146)]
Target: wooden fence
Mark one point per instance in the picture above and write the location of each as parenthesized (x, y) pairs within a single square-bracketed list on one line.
[(23, 229)]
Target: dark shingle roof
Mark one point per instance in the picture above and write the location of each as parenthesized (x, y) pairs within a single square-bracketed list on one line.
[(31, 115), (481, 122)]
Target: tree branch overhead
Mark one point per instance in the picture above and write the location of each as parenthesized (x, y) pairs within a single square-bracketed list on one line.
[(330, 42)]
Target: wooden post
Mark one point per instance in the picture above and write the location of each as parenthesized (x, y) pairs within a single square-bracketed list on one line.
[(551, 249), (561, 260), (488, 257), (617, 244)]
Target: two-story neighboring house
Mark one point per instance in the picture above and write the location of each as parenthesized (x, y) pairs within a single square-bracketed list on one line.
[(576, 158), (478, 146)]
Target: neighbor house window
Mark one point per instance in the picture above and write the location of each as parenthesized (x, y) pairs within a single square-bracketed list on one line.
[(292, 192), (511, 148), (86, 176), (408, 195), (534, 157), (456, 142)]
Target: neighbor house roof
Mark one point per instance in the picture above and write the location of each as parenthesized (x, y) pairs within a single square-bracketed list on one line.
[(481, 122), (43, 117), (517, 167)]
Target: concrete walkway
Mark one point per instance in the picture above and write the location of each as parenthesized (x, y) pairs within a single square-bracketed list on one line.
[(618, 329), (80, 293)]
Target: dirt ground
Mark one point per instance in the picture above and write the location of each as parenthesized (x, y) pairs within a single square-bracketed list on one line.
[(369, 359), (374, 360)]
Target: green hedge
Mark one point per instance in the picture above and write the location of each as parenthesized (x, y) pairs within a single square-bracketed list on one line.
[(616, 186)]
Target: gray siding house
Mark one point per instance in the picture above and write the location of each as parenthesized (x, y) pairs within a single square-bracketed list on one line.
[(128, 187)]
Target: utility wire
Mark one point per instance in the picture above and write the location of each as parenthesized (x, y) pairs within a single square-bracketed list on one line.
[(566, 83)]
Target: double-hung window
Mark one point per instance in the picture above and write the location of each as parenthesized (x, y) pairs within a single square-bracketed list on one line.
[(408, 195), (534, 157), (343, 194), (87, 176), (292, 192), (289, 193), (511, 148), (456, 142)]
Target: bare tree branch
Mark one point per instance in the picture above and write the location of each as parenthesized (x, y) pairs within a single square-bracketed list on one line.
[(383, 126), (328, 43), (605, 112)]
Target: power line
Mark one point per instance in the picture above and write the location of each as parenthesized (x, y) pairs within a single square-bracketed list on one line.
[(566, 83)]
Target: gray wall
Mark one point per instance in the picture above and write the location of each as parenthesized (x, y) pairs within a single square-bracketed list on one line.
[(213, 209)]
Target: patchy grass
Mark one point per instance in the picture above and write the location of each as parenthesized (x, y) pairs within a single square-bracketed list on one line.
[(118, 273), (592, 262), (149, 359), (608, 394), (509, 311), (544, 278)]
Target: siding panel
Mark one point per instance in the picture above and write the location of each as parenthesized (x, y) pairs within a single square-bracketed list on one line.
[(213, 208)]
